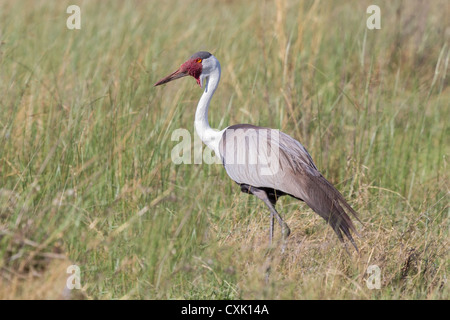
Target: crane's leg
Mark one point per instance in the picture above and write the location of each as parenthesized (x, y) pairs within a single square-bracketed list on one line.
[(261, 194), (272, 219)]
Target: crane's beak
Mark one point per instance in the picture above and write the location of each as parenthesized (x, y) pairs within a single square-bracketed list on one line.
[(176, 75)]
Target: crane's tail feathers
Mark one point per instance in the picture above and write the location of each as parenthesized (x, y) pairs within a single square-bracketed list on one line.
[(341, 223), (328, 202)]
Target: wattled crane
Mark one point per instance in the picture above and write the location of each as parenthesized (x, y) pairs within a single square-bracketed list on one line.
[(264, 162)]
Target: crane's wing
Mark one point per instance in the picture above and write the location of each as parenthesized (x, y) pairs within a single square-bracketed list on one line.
[(267, 158)]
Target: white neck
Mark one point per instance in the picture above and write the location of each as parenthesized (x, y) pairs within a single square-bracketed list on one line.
[(210, 137)]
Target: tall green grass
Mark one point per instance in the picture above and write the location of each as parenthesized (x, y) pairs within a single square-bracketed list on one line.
[(85, 158)]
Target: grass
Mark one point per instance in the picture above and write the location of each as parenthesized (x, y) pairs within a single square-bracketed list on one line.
[(86, 175)]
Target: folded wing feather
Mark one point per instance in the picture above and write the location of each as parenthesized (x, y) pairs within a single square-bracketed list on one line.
[(267, 158)]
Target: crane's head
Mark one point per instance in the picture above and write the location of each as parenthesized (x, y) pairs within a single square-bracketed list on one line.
[(199, 66)]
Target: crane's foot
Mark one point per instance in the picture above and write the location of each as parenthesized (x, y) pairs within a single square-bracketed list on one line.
[(285, 231), (267, 274), (272, 218)]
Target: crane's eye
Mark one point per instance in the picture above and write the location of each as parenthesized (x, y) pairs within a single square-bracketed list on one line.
[(199, 60)]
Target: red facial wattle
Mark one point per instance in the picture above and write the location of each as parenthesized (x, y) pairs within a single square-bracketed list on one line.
[(194, 68)]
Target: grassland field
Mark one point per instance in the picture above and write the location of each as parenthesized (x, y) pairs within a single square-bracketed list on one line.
[(86, 176)]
